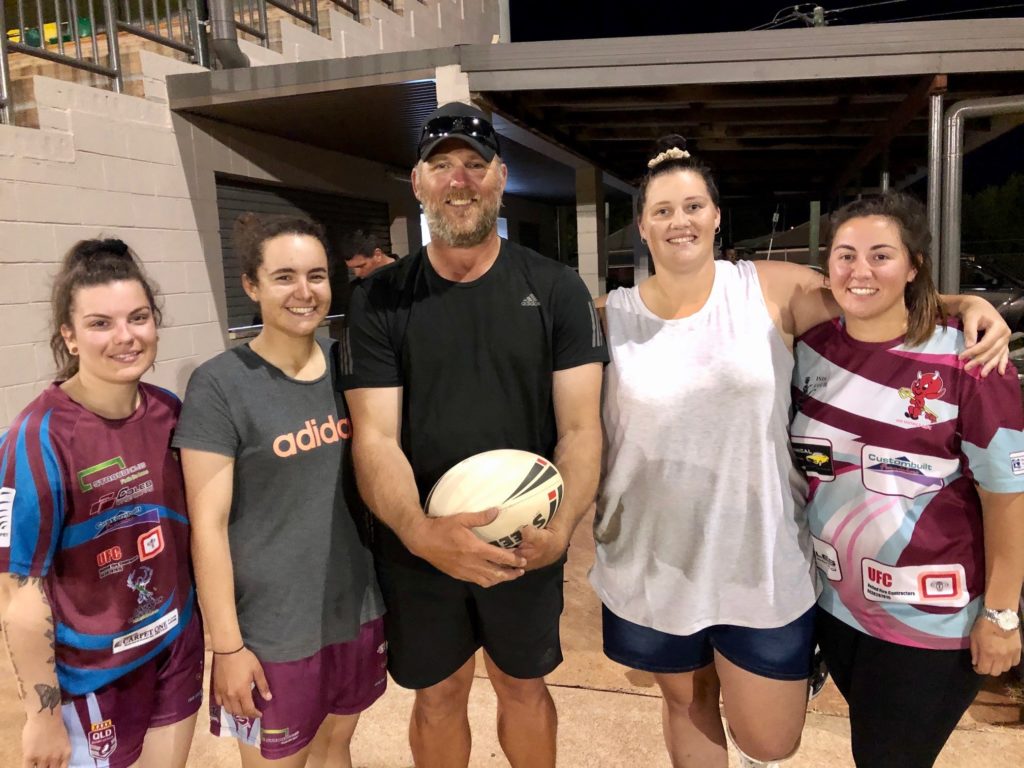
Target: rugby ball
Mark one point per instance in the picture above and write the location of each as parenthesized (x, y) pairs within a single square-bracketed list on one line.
[(526, 489)]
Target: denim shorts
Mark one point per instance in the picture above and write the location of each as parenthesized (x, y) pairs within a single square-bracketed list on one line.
[(779, 653)]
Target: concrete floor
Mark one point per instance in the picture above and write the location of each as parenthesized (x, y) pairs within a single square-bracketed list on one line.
[(609, 715)]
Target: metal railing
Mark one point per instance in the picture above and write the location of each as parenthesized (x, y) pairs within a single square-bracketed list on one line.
[(251, 16), (75, 32)]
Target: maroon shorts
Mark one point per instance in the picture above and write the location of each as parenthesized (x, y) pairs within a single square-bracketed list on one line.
[(107, 727), (341, 679)]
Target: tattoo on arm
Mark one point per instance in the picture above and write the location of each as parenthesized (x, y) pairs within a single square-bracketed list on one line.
[(10, 655), (49, 696)]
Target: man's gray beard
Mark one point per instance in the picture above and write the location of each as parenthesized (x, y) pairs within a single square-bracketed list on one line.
[(441, 229)]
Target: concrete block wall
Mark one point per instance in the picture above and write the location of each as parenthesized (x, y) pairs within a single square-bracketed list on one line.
[(106, 164)]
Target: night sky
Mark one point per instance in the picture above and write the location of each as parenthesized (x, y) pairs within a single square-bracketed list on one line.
[(576, 19)]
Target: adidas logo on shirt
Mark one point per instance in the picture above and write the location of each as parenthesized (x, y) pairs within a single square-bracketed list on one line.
[(530, 301)]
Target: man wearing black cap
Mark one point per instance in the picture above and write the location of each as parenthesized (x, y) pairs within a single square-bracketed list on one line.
[(473, 344)]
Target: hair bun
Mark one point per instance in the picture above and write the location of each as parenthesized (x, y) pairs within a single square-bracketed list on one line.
[(115, 246), (89, 251), (671, 147), (671, 141)]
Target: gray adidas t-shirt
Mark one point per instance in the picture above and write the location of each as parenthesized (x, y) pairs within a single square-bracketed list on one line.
[(303, 573)]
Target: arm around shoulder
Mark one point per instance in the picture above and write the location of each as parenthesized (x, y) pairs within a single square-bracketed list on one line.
[(796, 296)]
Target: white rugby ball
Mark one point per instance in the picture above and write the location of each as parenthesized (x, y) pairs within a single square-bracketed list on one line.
[(526, 489)]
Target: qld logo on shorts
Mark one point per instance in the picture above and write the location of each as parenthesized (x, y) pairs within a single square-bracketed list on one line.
[(102, 740)]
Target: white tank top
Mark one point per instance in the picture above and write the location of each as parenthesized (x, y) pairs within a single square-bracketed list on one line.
[(700, 516)]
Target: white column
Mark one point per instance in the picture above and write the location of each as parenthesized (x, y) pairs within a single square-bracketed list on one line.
[(451, 84), (590, 229), (400, 235)]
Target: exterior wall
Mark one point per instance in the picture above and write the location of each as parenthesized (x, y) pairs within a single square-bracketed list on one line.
[(117, 165), (543, 215)]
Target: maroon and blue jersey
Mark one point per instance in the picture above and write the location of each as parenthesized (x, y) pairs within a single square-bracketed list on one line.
[(96, 508), (893, 440)]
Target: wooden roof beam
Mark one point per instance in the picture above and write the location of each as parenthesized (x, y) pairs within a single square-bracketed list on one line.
[(913, 105)]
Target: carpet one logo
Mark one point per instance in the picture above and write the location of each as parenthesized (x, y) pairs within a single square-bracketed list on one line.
[(312, 436)]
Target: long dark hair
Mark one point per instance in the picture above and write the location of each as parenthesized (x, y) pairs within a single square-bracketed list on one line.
[(659, 165), (91, 262), (911, 218)]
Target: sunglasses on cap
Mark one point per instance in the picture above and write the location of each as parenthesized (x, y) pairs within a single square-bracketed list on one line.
[(479, 132)]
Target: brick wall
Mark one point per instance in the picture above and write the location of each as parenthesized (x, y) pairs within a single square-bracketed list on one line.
[(106, 164)]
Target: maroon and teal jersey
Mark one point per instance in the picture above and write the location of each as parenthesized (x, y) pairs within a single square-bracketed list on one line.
[(893, 440), (96, 507)]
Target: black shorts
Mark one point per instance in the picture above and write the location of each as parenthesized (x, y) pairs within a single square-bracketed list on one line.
[(434, 623)]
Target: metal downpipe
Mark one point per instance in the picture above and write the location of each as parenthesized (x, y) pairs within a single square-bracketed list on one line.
[(952, 197), (224, 35), (6, 111), (935, 178)]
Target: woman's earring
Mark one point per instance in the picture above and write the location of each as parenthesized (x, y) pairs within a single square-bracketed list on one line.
[(73, 350), (718, 229)]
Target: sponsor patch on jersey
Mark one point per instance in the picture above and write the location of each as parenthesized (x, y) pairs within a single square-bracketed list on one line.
[(138, 515), (6, 514), (938, 585), (151, 543), (814, 456), (120, 497), (102, 740), (900, 473), (827, 559), (99, 475), (146, 634), (1016, 464), (118, 566)]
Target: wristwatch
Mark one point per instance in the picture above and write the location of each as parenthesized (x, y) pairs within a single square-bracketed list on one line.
[(1007, 620)]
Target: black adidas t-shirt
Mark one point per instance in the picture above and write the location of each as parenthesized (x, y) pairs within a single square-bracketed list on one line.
[(475, 359)]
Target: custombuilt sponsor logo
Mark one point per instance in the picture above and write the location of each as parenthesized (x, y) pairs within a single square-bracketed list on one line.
[(6, 514), (137, 515), (146, 634), (120, 497), (124, 474), (901, 462), (904, 468), (312, 436)]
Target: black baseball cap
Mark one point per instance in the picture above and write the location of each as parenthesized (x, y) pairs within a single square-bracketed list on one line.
[(463, 122)]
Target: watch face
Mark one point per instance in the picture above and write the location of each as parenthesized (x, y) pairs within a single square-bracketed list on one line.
[(1007, 620)]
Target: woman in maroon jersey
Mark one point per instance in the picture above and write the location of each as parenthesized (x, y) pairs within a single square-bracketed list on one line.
[(97, 602)]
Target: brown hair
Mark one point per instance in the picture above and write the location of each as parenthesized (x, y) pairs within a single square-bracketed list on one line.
[(911, 218), (252, 230), (665, 143), (88, 263)]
